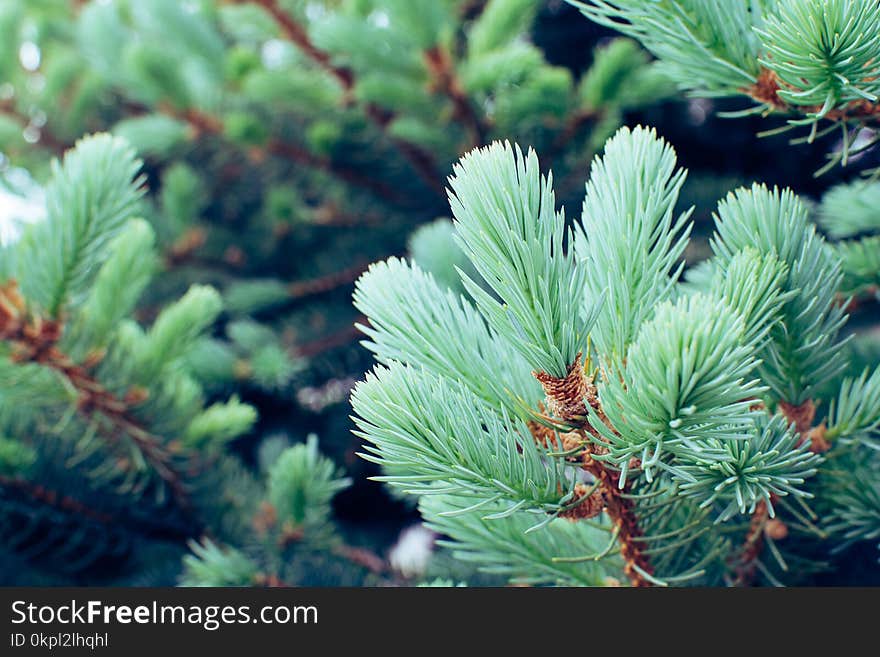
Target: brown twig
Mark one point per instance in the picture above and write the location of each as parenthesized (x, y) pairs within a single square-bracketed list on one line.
[(296, 33), (54, 499), (567, 398), (45, 137), (328, 214), (621, 510), (328, 342), (362, 557), (326, 283), (746, 563), (445, 81), (184, 247)]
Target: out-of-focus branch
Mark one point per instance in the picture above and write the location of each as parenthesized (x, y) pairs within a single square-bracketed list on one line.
[(420, 159), (35, 340), (445, 81)]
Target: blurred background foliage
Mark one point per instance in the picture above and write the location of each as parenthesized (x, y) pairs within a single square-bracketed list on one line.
[(286, 145)]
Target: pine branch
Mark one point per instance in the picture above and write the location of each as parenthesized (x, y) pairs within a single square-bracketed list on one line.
[(45, 137), (421, 160), (296, 33), (567, 398), (445, 80), (325, 283), (35, 340), (48, 497), (766, 89)]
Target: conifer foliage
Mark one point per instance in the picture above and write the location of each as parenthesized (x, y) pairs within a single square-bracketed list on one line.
[(603, 420), (179, 308), (111, 452), (813, 60), (564, 398)]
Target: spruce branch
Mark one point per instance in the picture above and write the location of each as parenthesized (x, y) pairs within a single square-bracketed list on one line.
[(420, 159), (39, 494), (811, 60), (433, 436), (766, 90), (445, 80), (803, 351), (91, 196), (46, 138), (413, 320), (631, 275), (851, 210), (669, 429), (204, 124), (824, 56), (855, 414), (503, 544), (507, 224), (296, 33), (35, 340)]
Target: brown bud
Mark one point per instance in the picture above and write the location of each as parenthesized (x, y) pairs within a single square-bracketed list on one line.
[(136, 395), (818, 442), (588, 506), (802, 415), (265, 518), (776, 529), (566, 395)]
